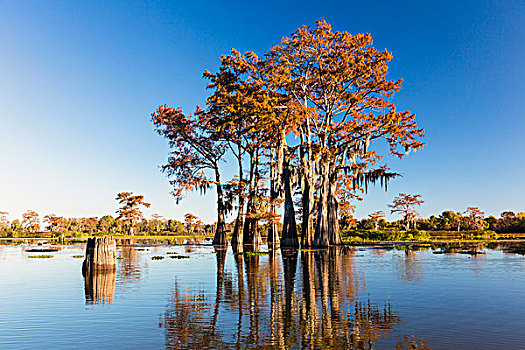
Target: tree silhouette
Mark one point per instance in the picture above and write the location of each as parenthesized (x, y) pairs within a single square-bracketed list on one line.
[(130, 213), (31, 221), (376, 216), (474, 218), (194, 151), (404, 204), (4, 223)]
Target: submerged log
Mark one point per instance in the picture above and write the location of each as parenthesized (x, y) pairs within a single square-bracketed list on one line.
[(101, 255)]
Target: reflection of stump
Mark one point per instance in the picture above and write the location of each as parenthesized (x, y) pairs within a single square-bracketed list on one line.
[(100, 255), (99, 287), (127, 241)]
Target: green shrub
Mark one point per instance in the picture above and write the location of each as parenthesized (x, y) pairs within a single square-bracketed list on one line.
[(12, 234), (383, 235)]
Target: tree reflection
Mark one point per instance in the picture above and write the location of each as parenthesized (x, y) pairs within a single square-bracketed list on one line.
[(410, 269), (99, 287), (278, 301)]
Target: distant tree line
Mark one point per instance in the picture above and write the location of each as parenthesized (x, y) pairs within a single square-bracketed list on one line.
[(470, 220), (130, 220), (32, 223), (448, 220)]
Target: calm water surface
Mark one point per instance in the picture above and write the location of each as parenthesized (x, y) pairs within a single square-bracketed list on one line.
[(357, 298)]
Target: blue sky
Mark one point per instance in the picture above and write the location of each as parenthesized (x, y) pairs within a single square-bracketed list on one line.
[(78, 81)]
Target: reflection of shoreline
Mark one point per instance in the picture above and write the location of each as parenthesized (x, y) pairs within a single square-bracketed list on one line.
[(129, 267), (281, 300)]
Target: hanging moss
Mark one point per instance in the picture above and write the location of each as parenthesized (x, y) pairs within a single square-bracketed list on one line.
[(363, 178)]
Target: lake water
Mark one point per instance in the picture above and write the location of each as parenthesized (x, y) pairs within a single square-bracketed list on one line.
[(352, 298)]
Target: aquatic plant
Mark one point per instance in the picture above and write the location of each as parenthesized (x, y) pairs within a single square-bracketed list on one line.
[(40, 256), (157, 257), (78, 256), (256, 253)]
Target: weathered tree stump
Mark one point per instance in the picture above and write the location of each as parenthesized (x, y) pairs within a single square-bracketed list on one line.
[(101, 255)]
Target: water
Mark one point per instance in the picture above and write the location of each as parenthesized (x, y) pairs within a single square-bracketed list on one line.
[(359, 298)]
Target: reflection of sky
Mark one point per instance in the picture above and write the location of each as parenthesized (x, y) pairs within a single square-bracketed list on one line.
[(454, 302)]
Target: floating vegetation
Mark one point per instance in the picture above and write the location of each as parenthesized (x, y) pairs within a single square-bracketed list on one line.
[(471, 252), (179, 257), (42, 250), (514, 249), (78, 256), (256, 253), (157, 257), (172, 253), (121, 257), (40, 256)]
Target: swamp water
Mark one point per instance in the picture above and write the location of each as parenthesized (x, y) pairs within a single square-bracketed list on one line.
[(344, 298)]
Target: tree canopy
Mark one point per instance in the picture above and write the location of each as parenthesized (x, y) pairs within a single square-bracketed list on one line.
[(302, 117)]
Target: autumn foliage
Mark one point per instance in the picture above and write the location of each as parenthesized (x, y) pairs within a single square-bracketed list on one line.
[(129, 212), (405, 205), (301, 122)]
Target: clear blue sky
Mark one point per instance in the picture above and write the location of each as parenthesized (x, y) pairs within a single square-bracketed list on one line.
[(79, 79)]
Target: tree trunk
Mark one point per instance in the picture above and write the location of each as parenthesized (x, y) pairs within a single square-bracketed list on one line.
[(289, 236), (220, 232), (307, 184), (307, 226), (334, 232), (273, 234), (251, 235), (322, 235), (237, 236)]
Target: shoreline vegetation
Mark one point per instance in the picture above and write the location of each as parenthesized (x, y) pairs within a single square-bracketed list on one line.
[(448, 226), (356, 238)]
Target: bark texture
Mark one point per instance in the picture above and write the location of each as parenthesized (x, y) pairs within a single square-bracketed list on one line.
[(101, 255), (289, 235), (220, 233)]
